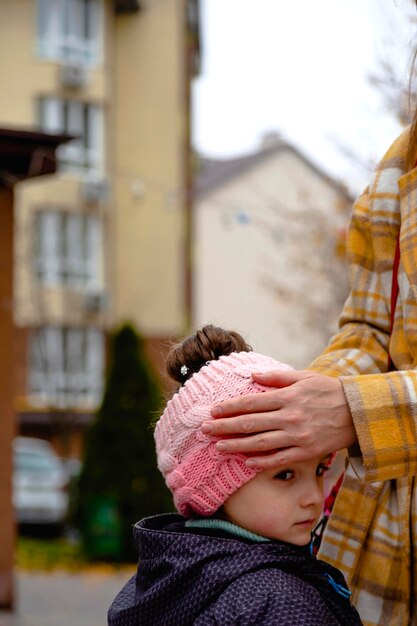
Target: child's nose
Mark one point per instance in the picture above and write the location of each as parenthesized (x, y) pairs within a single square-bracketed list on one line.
[(312, 494)]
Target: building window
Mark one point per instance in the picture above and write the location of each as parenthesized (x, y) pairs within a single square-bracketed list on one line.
[(82, 120), (66, 367), (69, 250), (69, 31)]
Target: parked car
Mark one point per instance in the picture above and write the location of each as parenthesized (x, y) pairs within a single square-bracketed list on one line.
[(40, 484)]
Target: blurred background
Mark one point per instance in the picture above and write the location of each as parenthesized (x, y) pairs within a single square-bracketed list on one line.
[(163, 164)]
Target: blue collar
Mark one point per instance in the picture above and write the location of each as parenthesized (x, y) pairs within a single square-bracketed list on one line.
[(226, 526)]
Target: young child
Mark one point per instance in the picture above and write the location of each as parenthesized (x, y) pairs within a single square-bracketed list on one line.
[(239, 552)]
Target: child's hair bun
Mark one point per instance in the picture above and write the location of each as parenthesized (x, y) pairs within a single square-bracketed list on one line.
[(211, 342)]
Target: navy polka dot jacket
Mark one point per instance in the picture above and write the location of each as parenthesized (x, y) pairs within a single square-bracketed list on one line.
[(204, 577)]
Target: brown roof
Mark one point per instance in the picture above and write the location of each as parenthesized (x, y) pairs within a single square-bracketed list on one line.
[(27, 153)]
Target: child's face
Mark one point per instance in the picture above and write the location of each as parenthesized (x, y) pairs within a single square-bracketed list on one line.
[(284, 504)]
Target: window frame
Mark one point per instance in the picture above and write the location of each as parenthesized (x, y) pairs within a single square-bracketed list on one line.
[(52, 378), (56, 42), (85, 153), (64, 253)]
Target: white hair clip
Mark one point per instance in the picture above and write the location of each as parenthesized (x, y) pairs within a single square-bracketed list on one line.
[(184, 370)]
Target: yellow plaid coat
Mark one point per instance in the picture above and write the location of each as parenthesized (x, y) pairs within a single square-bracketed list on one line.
[(372, 534)]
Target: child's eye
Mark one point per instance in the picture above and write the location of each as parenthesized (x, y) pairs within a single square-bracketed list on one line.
[(322, 469), (285, 475)]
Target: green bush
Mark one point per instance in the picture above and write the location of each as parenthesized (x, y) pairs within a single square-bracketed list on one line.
[(119, 468)]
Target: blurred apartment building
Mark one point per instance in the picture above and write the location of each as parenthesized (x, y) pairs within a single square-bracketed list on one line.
[(106, 239)]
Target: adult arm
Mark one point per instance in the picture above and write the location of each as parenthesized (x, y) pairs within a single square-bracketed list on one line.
[(362, 403)]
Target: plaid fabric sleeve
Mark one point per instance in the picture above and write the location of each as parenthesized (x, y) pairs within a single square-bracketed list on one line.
[(384, 410)]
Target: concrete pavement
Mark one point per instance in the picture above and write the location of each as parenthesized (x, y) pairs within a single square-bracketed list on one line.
[(65, 599)]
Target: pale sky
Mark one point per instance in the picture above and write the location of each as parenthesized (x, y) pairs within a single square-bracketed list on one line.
[(298, 67)]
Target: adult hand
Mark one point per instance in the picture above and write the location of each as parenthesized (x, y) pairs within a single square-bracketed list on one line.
[(305, 416)]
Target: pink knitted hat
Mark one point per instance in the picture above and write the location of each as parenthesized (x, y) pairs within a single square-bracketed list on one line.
[(200, 477)]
